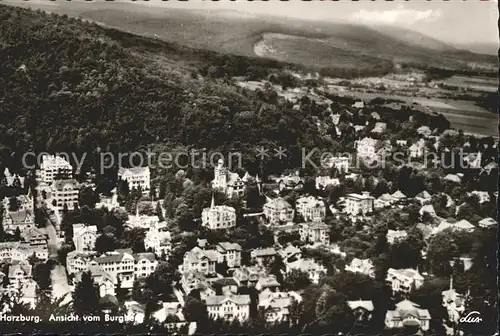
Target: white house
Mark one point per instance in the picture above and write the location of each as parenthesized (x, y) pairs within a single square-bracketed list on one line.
[(84, 237), (276, 305), (311, 209), (228, 307), (315, 232), (366, 147), (231, 252), (417, 150), (229, 183), (160, 242), (363, 266), (407, 313), (65, 192), (52, 165), (278, 210), (404, 280), (356, 204), (136, 177), (309, 266), (218, 217)]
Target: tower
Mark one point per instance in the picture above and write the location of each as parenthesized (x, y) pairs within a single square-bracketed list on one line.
[(220, 176)]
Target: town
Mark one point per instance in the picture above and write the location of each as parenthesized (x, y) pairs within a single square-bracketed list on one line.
[(390, 247)]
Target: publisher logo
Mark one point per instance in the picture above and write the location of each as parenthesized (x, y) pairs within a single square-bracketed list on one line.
[(472, 317)]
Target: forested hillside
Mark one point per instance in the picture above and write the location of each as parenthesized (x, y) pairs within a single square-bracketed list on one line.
[(71, 85)]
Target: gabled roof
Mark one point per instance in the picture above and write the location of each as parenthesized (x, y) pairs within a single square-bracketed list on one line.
[(145, 255), (487, 222), (217, 300), (365, 304)]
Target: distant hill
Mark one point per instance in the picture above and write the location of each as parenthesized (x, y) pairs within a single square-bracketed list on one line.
[(310, 43)]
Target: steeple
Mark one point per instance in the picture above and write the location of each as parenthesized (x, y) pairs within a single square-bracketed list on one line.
[(451, 283), (212, 204), (137, 210)]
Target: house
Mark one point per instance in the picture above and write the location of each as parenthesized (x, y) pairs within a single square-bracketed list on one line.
[(142, 221), (19, 273), (361, 309), (13, 180), (401, 143), (276, 305), (404, 280), (248, 276), (145, 264), (231, 252), (407, 313), (394, 236), (195, 280), (311, 209), (278, 210), (356, 204), (359, 104), (228, 307), (463, 225), (363, 266), (23, 218), (200, 260), (366, 147), (398, 196), (79, 261), (341, 163), (314, 270), (102, 279), (160, 242), (267, 282), (487, 222), (229, 183), (379, 127), (108, 202), (290, 182), (429, 209), (51, 166), (324, 181), (263, 255), (226, 285), (425, 131), (218, 217), (453, 178), (417, 150), (315, 233), (137, 177), (423, 197), (290, 253), (84, 237), (36, 237), (119, 264), (28, 293), (65, 192), (483, 196)]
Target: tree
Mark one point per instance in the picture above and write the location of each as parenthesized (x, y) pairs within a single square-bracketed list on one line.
[(159, 212), (86, 296), (105, 242), (297, 280), (168, 205), (17, 234), (87, 196), (195, 311)]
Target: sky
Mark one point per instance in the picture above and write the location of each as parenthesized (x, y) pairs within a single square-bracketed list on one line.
[(453, 21)]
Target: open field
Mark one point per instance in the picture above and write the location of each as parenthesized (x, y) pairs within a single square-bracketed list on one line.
[(476, 83)]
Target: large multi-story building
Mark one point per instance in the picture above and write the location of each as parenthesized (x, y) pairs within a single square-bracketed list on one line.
[(311, 209), (200, 260), (228, 307), (84, 237), (160, 242), (229, 183), (65, 192), (52, 166), (21, 251), (138, 177), (363, 266), (218, 217), (231, 252), (315, 233), (407, 313), (278, 211), (404, 280), (417, 150), (356, 204), (121, 265), (19, 273)]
